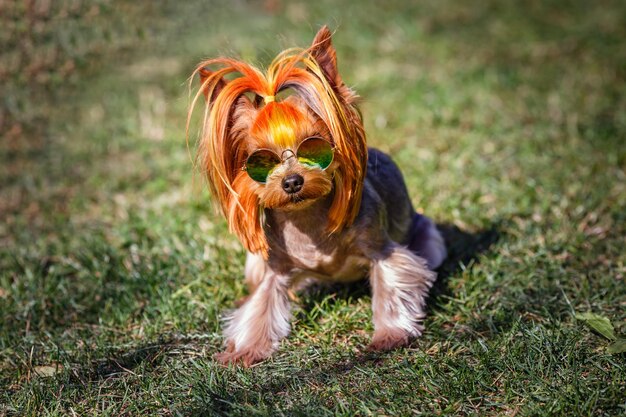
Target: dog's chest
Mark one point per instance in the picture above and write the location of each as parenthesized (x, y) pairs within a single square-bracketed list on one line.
[(328, 257)]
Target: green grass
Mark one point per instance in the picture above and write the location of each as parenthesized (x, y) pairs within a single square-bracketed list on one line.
[(508, 121)]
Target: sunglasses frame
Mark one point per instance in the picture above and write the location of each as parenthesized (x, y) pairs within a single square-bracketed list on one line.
[(294, 154)]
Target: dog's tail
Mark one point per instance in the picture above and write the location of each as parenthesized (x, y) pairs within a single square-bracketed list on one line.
[(426, 241)]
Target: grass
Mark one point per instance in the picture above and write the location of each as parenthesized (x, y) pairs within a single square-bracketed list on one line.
[(509, 122)]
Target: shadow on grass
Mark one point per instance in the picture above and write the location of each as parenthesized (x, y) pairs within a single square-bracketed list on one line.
[(261, 393), (148, 355), (122, 362), (463, 248)]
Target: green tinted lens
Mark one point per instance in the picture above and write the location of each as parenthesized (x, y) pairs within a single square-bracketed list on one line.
[(315, 153), (261, 163)]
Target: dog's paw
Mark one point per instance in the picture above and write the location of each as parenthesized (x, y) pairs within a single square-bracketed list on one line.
[(246, 357), (388, 339)]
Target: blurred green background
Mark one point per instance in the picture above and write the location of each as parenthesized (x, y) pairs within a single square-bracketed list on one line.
[(507, 118)]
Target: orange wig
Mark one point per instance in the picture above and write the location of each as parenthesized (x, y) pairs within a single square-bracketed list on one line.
[(311, 75)]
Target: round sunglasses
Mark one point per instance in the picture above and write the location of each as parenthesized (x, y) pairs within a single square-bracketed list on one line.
[(313, 152)]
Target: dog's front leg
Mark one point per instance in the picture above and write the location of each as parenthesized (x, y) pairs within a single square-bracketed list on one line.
[(254, 330), (400, 282)]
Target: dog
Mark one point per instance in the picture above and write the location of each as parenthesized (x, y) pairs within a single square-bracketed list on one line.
[(285, 155)]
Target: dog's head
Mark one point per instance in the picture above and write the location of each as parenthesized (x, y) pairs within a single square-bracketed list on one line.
[(281, 139)]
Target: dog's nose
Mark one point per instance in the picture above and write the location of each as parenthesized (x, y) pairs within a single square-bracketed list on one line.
[(293, 183)]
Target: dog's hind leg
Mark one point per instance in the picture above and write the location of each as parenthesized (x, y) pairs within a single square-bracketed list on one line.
[(426, 241)]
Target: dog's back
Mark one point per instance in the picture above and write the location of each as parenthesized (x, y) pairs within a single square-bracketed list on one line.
[(404, 225)]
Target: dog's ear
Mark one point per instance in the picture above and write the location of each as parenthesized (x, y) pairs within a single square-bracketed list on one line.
[(210, 83), (323, 51)]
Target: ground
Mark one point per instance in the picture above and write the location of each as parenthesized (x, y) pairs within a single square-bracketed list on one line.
[(508, 121)]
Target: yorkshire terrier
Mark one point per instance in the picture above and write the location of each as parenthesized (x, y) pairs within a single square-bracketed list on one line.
[(285, 155)]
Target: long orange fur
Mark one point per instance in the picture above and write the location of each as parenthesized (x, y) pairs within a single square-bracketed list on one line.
[(221, 155)]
